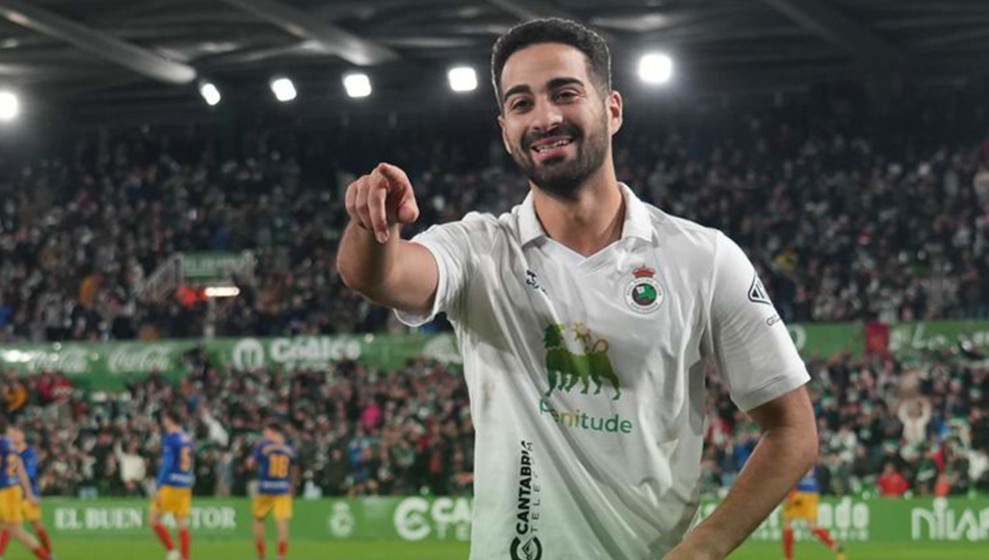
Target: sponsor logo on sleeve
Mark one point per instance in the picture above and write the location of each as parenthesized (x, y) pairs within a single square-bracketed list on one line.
[(757, 292)]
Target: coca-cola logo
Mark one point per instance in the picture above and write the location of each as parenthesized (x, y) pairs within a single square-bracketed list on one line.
[(71, 360), (146, 359)]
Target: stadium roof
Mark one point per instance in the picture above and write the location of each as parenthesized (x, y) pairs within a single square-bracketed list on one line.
[(111, 56)]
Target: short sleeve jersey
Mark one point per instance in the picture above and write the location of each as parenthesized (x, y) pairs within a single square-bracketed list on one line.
[(274, 460), (587, 374), (29, 458), (178, 455)]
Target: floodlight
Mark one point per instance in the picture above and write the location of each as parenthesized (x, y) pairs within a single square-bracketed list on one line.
[(9, 105), (462, 78), (284, 89), (357, 85), (210, 93), (655, 68)]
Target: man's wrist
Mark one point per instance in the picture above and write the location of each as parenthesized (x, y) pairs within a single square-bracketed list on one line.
[(704, 544)]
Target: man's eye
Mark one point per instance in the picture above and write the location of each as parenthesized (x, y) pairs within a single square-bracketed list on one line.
[(520, 104), (566, 95)]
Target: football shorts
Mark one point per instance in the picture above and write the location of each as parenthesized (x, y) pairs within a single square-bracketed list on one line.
[(280, 504), (173, 500)]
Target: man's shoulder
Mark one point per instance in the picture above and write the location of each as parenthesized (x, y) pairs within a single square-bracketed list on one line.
[(488, 222), (476, 228), (677, 233)]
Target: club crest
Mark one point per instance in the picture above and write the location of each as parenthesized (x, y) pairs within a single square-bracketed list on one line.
[(643, 293)]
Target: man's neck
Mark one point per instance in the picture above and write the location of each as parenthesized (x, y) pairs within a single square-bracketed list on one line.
[(588, 222)]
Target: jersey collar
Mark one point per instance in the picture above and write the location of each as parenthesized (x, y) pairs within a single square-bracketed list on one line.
[(637, 223)]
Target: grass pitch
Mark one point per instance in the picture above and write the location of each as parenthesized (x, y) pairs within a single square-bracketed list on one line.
[(146, 549)]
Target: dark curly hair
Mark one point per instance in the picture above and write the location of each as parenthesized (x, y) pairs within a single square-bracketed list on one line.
[(553, 30)]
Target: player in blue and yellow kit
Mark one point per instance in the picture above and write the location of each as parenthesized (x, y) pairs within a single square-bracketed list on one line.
[(15, 487), (274, 460), (31, 512), (175, 478), (801, 504)]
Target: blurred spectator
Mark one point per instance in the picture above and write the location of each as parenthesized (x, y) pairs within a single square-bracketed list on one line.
[(132, 467), (45, 386), (915, 414), (15, 395), (892, 483), (978, 469)]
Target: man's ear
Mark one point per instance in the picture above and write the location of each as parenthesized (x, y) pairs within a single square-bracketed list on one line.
[(615, 110)]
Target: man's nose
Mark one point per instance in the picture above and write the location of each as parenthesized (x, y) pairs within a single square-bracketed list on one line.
[(546, 115)]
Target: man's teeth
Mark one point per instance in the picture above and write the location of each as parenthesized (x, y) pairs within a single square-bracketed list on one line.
[(556, 144)]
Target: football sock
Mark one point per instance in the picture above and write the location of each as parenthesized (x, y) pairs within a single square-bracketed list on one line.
[(163, 536), (45, 541), (788, 544), (184, 541), (825, 537)]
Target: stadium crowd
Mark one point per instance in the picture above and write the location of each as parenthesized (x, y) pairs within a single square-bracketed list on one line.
[(843, 222), (357, 431), (884, 428)]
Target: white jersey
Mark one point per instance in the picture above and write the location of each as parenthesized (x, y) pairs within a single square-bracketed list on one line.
[(586, 375)]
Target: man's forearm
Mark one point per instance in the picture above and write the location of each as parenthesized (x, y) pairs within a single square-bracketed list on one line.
[(784, 454), (361, 260)]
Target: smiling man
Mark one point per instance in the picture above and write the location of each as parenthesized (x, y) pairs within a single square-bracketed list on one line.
[(587, 319)]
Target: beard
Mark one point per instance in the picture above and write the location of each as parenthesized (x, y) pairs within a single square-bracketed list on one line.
[(557, 176)]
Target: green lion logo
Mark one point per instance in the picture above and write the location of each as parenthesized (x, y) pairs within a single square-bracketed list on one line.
[(566, 369)]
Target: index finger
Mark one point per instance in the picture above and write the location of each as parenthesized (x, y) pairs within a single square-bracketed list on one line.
[(395, 176)]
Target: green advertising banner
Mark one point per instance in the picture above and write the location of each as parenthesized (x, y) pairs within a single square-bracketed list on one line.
[(907, 340), (375, 518), (912, 340), (887, 520), (823, 340), (415, 519), (215, 265), (110, 365)]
